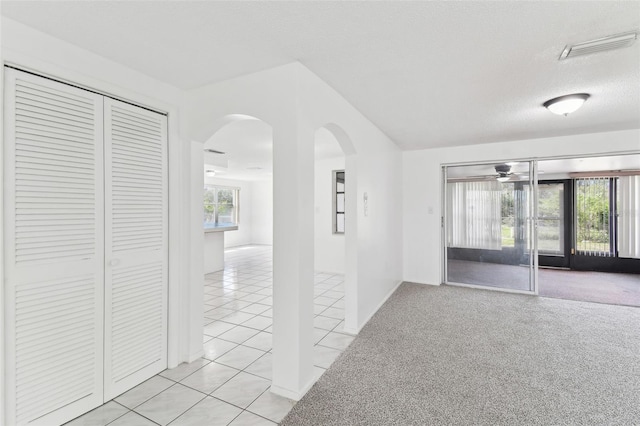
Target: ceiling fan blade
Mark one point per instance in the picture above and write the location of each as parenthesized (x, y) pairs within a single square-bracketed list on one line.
[(471, 178)]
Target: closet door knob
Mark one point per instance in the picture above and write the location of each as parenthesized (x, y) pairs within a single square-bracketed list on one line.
[(114, 262)]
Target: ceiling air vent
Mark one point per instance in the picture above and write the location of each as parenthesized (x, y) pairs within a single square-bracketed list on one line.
[(599, 45), (213, 151)]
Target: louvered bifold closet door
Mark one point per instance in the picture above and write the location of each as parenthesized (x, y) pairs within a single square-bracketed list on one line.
[(54, 250), (136, 245)]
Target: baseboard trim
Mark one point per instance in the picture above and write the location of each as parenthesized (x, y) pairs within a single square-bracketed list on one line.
[(421, 283), (195, 356), (382, 302), (293, 395), (326, 271)]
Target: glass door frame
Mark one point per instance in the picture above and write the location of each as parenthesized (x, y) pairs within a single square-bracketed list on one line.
[(532, 223), (568, 218)]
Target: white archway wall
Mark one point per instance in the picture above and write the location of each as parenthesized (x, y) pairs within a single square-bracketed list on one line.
[(295, 103), (256, 197), (270, 96), (375, 163), (292, 93), (340, 252)]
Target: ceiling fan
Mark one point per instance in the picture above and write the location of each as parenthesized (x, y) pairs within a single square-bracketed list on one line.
[(504, 172)]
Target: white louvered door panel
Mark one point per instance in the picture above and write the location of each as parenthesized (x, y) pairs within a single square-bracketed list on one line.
[(136, 245), (54, 250)]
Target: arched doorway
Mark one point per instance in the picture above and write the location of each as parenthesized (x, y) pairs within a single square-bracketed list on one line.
[(335, 225)]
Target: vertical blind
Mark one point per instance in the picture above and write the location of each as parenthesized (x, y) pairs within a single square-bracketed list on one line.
[(474, 215), (629, 216)]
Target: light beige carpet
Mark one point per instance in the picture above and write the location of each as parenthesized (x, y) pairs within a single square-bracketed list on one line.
[(455, 356)]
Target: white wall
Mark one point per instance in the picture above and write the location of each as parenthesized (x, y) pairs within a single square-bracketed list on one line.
[(2, 330), (291, 95), (374, 166), (295, 103), (243, 235), (422, 184), (32, 50), (329, 253), (261, 214), (195, 294)]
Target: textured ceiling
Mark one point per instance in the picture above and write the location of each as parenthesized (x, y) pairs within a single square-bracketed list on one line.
[(426, 73)]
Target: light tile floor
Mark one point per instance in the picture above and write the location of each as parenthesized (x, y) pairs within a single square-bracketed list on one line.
[(230, 384)]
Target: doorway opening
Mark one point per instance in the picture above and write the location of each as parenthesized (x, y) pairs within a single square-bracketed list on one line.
[(571, 232), (330, 176), (588, 224), (238, 190)]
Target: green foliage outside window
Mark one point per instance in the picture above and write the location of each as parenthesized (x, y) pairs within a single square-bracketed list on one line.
[(209, 201), (592, 214), (220, 206), (592, 202), (508, 215)]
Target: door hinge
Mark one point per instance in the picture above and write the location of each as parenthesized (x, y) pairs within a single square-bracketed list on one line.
[(573, 251)]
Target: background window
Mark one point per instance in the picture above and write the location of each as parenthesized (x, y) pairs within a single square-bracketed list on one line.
[(221, 206), (338, 201), (593, 213)]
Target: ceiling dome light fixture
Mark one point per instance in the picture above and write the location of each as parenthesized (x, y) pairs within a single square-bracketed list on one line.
[(565, 105)]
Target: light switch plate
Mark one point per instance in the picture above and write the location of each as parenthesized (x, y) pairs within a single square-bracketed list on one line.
[(365, 199)]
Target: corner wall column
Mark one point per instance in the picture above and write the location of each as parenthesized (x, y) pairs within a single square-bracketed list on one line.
[(293, 188), (194, 316), (351, 324)]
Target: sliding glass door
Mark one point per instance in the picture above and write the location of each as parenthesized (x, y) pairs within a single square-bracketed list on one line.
[(584, 223), (489, 226), (501, 223), (606, 222)]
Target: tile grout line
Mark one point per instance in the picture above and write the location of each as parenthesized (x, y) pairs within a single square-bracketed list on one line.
[(181, 414)]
